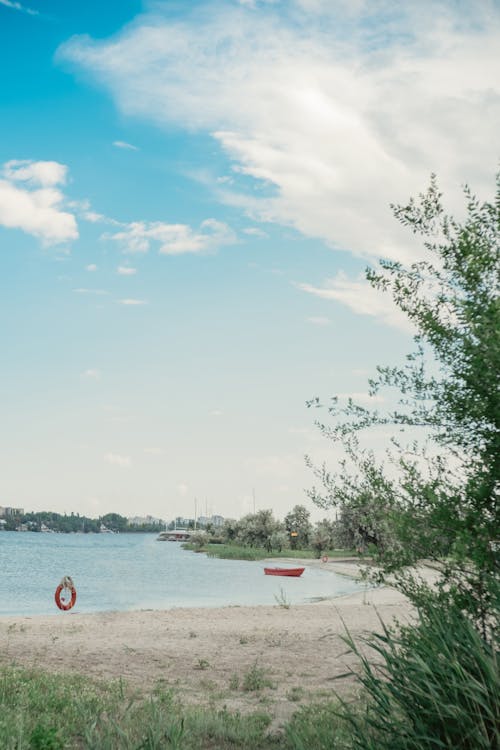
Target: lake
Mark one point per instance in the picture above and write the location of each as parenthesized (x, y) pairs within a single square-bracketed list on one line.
[(134, 571)]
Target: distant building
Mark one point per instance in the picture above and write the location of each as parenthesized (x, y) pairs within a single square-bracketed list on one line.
[(184, 523), (145, 521), (6, 512), (216, 521)]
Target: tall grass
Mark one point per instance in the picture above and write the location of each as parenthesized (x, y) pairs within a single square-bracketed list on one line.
[(435, 685), (318, 727)]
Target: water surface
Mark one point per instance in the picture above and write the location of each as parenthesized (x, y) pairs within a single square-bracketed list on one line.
[(134, 571)]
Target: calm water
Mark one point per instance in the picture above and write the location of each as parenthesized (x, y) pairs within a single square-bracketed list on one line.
[(134, 571)]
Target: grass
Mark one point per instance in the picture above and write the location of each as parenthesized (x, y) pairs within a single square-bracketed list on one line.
[(434, 685), (256, 679), (282, 599), (318, 727), (202, 664), (40, 711), (235, 552), (295, 694)]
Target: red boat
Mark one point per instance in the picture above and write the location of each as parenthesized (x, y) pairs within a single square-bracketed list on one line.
[(295, 572)]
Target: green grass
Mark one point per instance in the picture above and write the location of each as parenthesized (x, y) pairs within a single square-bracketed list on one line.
[(40, 711), (435, 685), (234, 552), (318, 727), (256, 679)]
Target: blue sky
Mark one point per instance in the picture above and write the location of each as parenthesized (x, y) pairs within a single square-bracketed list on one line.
[(189, 193)]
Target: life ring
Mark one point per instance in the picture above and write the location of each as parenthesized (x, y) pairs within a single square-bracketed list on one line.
[(324, 558), (66, 583)]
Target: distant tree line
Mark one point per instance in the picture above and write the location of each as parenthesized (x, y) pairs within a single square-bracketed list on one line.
[(356, 526), (296, 531), (67, 524)]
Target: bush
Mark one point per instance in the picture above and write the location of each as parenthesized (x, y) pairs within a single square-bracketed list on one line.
[(435, 685)]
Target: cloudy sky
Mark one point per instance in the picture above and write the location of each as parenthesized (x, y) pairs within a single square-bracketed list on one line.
[(189, 194)]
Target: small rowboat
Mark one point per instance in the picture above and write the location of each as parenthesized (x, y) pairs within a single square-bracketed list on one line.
[(295, 572)]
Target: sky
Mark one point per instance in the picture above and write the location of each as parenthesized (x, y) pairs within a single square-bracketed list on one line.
[(189, 195)]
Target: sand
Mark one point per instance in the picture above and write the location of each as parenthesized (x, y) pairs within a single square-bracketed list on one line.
[(205, 653)]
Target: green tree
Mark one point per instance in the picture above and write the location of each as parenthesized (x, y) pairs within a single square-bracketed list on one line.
[(257, 529), (114, 522), (297, 522), (230, 530), (324, 536), (441, 499)]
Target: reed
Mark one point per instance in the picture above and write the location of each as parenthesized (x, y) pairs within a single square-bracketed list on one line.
[(236, 552), (435, 685)]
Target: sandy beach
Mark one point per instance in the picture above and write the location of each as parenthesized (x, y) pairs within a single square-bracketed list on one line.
[(205, 653)]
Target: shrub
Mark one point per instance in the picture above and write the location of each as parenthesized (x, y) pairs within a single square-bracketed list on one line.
[(435, 685), (255, 679)]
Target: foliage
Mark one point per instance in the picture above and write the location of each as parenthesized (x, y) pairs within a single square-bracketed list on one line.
[(259, 529), (297, 522), (74, 522), (318, 727), (255, 679), (40, 711), (114, 522), (59, 522), (198, 540), (46, 738), (234, 552), (436, 685), (441, 499), (324, 537)]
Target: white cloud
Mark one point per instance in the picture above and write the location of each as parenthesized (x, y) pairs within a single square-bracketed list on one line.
[(319, 320), (173, 239), (94, 218), (132, 301), (362, 298), (117, 460), (336, 108), (182, 489), (124, 145), (44, 173), (255, 232), (30, 201), (17, 6), (126, 271), (91, 374), (91, 267), (216, 413)]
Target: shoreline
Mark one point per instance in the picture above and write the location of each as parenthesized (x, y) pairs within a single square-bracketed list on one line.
[(203, 653)]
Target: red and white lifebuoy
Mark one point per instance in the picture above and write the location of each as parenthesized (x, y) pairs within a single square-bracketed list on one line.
[(324, 558), (62, 603)]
